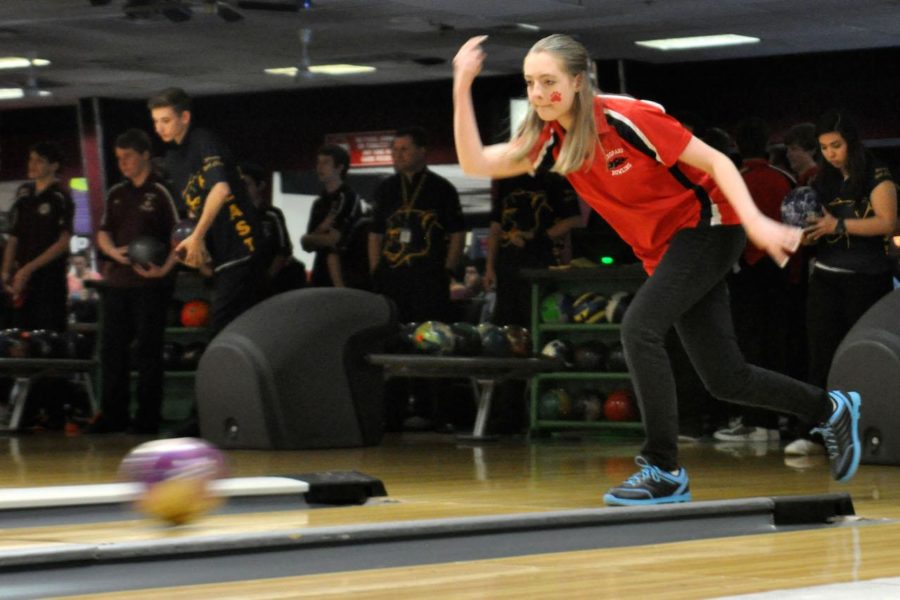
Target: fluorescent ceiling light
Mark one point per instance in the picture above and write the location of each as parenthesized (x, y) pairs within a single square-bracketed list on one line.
[(699, 41), (16, 93), (323, 70), (17, 62)]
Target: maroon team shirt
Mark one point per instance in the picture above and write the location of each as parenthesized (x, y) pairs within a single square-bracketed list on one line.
[(636, 181), (132, 212)]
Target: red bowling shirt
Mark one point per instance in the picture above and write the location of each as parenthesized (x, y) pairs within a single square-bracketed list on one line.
[(636, 182)]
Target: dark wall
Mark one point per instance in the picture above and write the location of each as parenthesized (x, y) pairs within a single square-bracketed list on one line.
[(783, 90), (281, 130), (21, 128)]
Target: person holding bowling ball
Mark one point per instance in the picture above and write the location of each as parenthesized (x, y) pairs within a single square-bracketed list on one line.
[(136, 292), (685, 211)]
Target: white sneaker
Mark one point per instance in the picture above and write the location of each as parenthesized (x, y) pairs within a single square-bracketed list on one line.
[(743, 433), (804, 447)]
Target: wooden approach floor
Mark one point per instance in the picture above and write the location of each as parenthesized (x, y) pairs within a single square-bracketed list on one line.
[(432, 476)]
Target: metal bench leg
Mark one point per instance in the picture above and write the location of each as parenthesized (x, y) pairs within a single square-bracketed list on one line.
[(18, 396), (89, 388), (485, 391)]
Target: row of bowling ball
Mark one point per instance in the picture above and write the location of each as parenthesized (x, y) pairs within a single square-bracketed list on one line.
[(465, 339), (592, 355), (586, 308), (559, 404), (44, 343), (182, 357)]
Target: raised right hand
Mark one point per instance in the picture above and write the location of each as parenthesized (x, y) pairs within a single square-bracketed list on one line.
[(469, 59)]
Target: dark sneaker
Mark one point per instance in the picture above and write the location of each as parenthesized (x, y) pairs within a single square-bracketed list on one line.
[(650, 485), (841, 435)]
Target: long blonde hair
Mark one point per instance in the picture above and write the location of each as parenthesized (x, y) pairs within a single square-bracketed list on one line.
[(581, 141)]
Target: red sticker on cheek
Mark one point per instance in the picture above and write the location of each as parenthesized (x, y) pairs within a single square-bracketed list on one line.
[(555, 97)]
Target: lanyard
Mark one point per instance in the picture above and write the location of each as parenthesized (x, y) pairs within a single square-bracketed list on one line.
[(408, 202)]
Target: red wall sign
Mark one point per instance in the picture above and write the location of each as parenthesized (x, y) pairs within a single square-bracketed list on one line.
[(367, 148)]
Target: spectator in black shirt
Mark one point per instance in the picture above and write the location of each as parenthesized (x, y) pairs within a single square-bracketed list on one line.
[(527, 215), (417, 233), (852, 269), (285, 272), (333, 221), (36, 254)]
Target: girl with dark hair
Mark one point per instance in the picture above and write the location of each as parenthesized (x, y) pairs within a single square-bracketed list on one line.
[(852, 270), (681, 205)]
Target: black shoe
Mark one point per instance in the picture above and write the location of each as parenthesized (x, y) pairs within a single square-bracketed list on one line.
[(841, 435), (650, 485)]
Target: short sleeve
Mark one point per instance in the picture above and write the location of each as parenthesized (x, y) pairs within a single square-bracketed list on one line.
[(663, 134)]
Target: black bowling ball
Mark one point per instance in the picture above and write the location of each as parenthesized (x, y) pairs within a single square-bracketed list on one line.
[(171, 356), (45, 344), (146, 250), (615, 361), (75, 345), (590, 356)]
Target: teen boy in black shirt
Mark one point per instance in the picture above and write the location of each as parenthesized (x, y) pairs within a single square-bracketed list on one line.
[(204, 174), (134, 299), (35, 257)]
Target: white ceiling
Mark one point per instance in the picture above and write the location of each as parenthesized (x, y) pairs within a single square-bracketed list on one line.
[(97, 51)]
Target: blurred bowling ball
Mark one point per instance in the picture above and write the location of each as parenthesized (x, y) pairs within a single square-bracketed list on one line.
[(617, 305), (589, 307), (519, 340), (590, 356), (467, 340), (556, 307), (559, 350), (195, 313), (175, 477), (801, 204), (620, 405), (494, 342), (76, 345), (190, 355), (555, 404), (434, 337), (615, 361), (182, 230), (45, 344), (146, 250), (171, 356)]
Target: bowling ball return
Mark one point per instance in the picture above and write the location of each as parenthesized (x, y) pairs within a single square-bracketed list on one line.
[(484, 373)]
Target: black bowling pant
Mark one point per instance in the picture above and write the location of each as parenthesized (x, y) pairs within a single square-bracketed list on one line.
[(133, 314), (45, 302)]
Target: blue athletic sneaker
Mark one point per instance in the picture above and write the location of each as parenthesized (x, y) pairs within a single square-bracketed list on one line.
[(650, 485), (841, 435)]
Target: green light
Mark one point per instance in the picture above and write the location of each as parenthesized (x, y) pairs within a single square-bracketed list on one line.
[(606, 260), (78, 184)]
